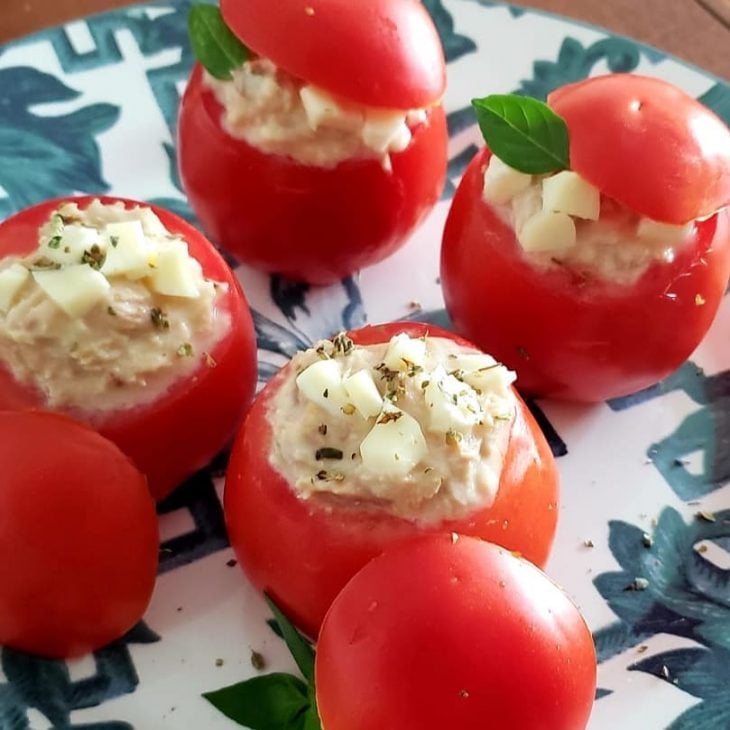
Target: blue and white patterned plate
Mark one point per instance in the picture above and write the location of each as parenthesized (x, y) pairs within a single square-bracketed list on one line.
[(90, 107)]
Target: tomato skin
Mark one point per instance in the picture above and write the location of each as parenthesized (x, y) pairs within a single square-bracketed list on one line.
[(181, 431), (311, 223), (78, 537), (568, 338), (398, 63), (303, 552), (439, 634), (668, 155)]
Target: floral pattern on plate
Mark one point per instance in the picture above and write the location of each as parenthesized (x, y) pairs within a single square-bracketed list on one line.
[(644, 540)]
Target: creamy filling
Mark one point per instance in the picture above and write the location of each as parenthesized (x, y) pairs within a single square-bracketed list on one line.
[(560, 220), (416, 427), (279, 114), (109, 311)]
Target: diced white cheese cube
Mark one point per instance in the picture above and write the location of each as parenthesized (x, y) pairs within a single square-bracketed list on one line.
[(323, 110), (567, 192), (321, 383), (663, 234), (386, 131), (395, 444), (484, 373), (127, 251), (404, 351), (68, 246), (494, 379), (174, 272), (548, 232), (470, 361), (12, 281), (416, 116), (525, 205), (75, 289), (502, 182), (453, 405), (151, 223), (363, 393)]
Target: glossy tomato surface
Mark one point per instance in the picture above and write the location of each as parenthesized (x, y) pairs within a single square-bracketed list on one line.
[(460, 634), (647, 144), (312, 223), (384, 53), (303, 552), (78, 537), (568, 336), (183, 429)]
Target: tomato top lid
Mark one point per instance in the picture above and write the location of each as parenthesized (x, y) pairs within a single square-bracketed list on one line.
[(383, 53), (648, 145)]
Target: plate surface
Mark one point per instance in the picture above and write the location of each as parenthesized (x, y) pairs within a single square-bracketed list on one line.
[(91, 107)]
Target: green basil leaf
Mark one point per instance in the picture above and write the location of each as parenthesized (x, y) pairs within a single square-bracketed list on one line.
[(299, 647), (271, 623), (271, 702), (523, 132), (310, 719), (213, 42)]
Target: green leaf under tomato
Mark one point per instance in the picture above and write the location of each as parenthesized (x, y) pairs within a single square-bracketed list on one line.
[(275, 701), (299, 647), (310, 719), (524, 133), (272, 702), (213, 42)]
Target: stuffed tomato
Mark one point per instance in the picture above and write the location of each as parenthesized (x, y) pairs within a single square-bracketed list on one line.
[(363, 442), (324, 145), (598, 273), (125, 317)]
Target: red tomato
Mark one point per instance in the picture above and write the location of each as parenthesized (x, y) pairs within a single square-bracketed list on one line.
[(317, 224), (302, 553), (78, 537), (439, 634), (181, 431), (383, 53), (567, 336), (648, 145)]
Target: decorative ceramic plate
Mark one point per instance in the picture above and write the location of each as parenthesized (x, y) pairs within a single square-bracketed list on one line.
[(91, 107)]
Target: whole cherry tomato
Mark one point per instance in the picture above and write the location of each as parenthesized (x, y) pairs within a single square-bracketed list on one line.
[(302, 552), (650, 150), (78, 537), (179, 432), (445, 632), (316, 222)]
